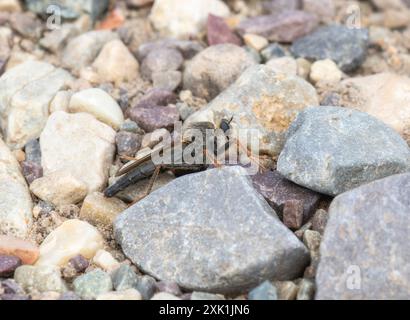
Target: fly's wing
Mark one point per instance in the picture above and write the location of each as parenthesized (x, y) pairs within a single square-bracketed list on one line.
[(128, 167)]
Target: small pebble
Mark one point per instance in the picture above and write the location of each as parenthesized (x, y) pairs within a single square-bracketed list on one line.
[(128, 143), (325, 71), (8, 264), (124, 278), (104, 260), (265, 291), (146, 286), (79, 263), (92, 284), (306, 290), (256, 42), (25, 250)]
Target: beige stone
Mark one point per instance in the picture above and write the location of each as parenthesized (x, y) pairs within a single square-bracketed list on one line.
[(59, 188), (99, 210), (38, 279), (15, 199), (286, 65), (25, 94), (60, 101), (385, 96), (100, 104), (256, 42), (80, 145), (115, 63), (304, 67), (130, 294), (72, 238), (181, 18), (25, 250), (10, 6), (105, 261), (325, 71)]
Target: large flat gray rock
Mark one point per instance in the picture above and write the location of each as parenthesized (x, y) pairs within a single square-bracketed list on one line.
[(210, 231), (365, 251), (332, 150)]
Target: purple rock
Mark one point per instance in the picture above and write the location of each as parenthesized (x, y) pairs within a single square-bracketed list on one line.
[(16, 297), (219, 32), (8, 264), (154, 118), (277, 191), (157, 97), (128, 143), (161, 60), (283, 27), (31, 171), (10, 286), (33, 151), (79, 263)]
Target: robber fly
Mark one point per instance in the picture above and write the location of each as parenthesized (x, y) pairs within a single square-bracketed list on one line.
[(145, 167)]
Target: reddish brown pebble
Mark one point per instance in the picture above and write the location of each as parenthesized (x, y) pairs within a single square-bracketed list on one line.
[(154, 118), (293, 214), (157, 97), (277, 191), (219, 32), (8, 264), (25, 250)]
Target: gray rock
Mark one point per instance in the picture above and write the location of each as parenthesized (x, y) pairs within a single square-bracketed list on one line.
[(347, 47), (92, 284), (265, 291), (124, 278), (168, 80), (215, 69), (332, 150), (161, 60), (82, 50), (274, 50), (210, 232), (146, 286), (33, 151), (70, 9), (365, 251), (261, 102)]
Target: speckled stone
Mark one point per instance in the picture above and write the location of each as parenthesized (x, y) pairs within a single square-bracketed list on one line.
[(92, 284), (365, 251), (332, 150), (153, 118), (157, 97), (124, 278), (345, 46), (205, 223)]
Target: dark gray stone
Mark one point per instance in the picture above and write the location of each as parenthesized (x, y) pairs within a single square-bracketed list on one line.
[(146, 285), (211, 232), (128, 143), (365, 250), (274, 50), (332, 150), (347, 47), (33, 151)]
